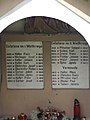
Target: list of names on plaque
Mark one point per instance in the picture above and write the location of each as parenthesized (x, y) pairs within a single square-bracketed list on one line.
[(70, 64), (24, 65)]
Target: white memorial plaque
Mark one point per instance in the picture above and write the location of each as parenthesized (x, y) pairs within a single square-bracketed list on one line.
[(24, 65), (70, 64)]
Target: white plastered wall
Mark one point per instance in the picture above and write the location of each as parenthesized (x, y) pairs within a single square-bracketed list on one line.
[(50, 8)]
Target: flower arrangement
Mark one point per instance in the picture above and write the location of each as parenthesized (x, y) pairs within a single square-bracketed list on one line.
[(50, 113)]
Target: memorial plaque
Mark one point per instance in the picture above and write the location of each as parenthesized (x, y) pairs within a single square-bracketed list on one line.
[(70, 64), (24, 65)]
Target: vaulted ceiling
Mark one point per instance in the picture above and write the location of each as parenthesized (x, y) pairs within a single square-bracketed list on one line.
[(39, 24)]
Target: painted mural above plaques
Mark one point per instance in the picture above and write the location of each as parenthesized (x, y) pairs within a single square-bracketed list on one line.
[(24, 65), (70, 64)]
